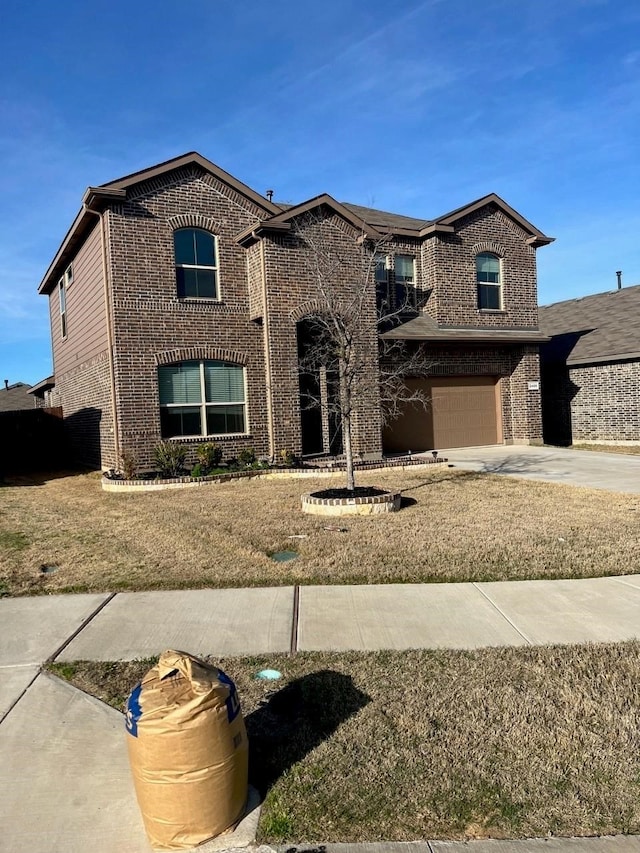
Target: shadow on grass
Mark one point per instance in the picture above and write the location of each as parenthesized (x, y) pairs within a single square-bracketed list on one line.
[(407, 502), (295, 720), (432, 484), (40, 478)]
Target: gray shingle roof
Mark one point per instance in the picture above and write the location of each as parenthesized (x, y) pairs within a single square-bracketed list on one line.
[(599, 328), (15, 398), (383, 219), (425, 328)]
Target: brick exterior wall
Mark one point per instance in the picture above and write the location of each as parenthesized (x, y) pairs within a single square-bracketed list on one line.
[(84, 393), (292, 294), (152, 326), (265, 291), (598, 402), (450, 273)]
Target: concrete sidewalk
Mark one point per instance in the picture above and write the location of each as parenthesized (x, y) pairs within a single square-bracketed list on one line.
[(63, 767)]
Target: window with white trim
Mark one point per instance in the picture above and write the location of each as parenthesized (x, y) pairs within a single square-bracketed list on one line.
[(489, 282), (202, 398), (405, 278), (196, 254), (405, 268), (62, 300)]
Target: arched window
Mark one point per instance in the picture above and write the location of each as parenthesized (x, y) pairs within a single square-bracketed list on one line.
[(488, 277), (202, 398), (196, 255)]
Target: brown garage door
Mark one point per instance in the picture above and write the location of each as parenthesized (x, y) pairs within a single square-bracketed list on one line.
[(463, 412)]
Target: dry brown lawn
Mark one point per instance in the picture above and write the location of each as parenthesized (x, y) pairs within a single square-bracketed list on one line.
[(455, 526), (633, 449), (501, 743)]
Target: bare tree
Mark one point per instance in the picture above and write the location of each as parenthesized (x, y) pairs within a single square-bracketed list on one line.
[(362, 371)]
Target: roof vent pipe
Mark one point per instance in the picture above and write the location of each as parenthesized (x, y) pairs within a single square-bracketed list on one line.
[(619, 274), (269, 195), (6, 384)]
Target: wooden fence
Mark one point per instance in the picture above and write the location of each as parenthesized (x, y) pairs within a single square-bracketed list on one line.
[(32, 440)]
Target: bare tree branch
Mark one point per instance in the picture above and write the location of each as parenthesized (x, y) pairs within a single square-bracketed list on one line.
[(354, 307)]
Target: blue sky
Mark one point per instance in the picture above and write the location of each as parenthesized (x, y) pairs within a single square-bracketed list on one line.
[(413, 107)]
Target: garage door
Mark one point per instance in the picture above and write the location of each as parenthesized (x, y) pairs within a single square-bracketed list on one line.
[(463, 412)]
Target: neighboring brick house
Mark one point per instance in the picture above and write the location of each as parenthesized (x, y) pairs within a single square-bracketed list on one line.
[(178, 296), (591, 368)]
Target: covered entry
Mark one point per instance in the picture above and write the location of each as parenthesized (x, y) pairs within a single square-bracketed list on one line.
[(462, 412)]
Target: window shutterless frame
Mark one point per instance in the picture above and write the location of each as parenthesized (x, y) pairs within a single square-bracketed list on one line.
[(196, 259), (211, 399), (405, 278), (489, 281), (62, 298)]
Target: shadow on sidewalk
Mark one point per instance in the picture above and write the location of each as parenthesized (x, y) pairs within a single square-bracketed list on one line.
[(295, 720)]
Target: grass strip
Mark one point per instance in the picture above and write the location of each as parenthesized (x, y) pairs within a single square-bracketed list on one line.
[(501, 743)]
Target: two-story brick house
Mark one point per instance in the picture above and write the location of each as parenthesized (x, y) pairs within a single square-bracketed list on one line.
[(178, 296)]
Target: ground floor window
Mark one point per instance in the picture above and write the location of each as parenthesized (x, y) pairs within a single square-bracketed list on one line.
[(202, 398)]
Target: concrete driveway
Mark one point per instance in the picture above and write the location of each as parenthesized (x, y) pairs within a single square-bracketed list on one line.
[(613, 471)]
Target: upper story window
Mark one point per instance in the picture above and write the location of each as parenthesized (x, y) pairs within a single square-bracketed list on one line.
[(405, 278), (62, 299), (489, 282), (199, 398), (381, 274), (405, 269), (381, 267), (196, 254)]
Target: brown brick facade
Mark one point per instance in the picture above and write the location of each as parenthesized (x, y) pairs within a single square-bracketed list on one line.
[(598, 402), (266, 288), (451, 273), (84, 393)]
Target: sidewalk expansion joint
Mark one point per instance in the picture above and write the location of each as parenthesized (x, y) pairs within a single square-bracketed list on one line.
[(80, 628), (625, 583), (504, 615), (293, 646), (18, 698)]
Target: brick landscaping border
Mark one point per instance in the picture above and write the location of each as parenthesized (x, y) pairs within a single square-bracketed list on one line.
[(329, 469)]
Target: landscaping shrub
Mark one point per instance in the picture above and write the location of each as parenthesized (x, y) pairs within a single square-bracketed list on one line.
[(128, 464), (209, 456), (288, 458), (247, 457), (170, 458)]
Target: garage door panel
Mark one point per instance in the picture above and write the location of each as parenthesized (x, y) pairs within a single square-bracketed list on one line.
[(464, 412)]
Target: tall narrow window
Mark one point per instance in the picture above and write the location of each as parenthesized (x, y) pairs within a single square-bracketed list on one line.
[(202, 398), (62, 296), (405, 276), (488, 280), (196, 264), (381, 270)]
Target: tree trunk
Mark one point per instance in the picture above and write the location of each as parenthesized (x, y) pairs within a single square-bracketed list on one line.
[(346, 427)]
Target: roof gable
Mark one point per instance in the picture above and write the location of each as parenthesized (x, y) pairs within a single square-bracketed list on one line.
[(192, 158), (536, 237), (282, 221), (95, 200)]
